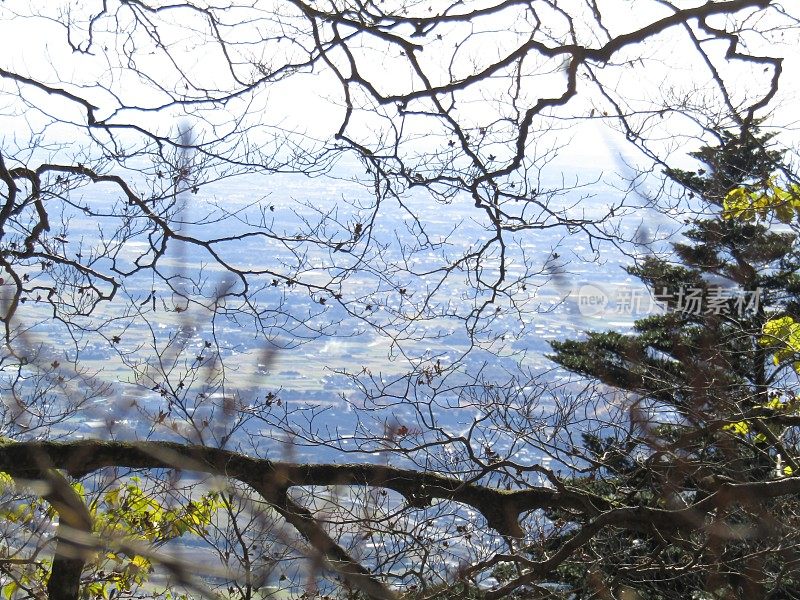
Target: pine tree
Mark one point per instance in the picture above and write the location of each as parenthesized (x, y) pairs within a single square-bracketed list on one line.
[(712, 392)]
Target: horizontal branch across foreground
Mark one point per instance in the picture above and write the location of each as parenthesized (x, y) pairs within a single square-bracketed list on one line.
[(273, 479)]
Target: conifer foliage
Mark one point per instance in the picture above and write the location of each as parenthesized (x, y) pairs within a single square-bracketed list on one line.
[(711, 392)]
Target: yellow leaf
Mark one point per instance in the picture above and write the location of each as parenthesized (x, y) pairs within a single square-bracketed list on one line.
[(736, 204), (10, 588), (739, 203), (740, 428), (783, 334), (6, 483)]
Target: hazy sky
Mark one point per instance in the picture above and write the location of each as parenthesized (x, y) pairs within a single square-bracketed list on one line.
[(311, 103)]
